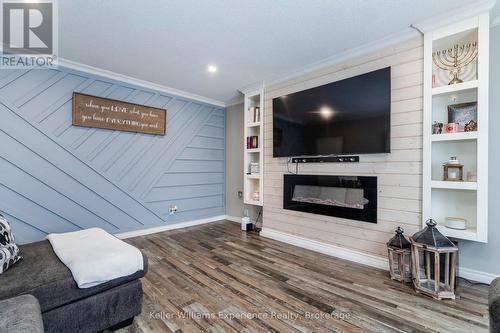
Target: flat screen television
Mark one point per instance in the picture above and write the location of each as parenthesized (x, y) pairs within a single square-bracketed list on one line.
[(351, 116)]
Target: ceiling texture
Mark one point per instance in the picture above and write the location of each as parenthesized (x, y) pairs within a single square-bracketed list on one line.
[(171, 43)]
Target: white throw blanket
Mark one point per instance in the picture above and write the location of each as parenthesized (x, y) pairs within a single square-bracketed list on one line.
[(93, 256)]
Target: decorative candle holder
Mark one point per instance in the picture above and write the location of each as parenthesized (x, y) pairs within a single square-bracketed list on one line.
[(399, 251), (455, 59), (453, 170), (434, 259), (451, 128)]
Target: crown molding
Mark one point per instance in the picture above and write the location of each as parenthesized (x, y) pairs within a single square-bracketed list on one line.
[(391, 40), (235, 102), (251, 88), (349, 54), (76, 66), (455, 15)]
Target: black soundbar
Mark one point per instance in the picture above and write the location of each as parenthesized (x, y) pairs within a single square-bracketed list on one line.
[(326, 159)]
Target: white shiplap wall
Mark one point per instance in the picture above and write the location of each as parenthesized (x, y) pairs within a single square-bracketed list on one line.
[(399, 173)]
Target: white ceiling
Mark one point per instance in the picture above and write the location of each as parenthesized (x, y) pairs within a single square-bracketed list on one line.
[(171, 42)]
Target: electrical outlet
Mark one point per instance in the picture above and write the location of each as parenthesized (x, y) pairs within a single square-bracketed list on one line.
[(172, 210), (240, 195)]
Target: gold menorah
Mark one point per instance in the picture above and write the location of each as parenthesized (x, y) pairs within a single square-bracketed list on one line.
[(455, 59)]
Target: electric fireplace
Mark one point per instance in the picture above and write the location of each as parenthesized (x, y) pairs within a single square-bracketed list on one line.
[(349, 197)]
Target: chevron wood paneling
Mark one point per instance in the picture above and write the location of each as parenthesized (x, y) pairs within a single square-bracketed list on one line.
[(55, 177)]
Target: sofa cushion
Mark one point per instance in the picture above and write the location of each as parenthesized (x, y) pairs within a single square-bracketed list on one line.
[(44, 276), (20, 314), (98, 312), (494, 305), (9, 252)]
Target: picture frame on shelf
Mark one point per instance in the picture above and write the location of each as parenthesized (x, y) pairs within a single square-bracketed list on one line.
[(437, 128), (462, 114)]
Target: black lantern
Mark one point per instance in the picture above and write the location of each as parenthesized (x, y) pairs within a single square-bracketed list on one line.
[(399, 251), (433, 262)]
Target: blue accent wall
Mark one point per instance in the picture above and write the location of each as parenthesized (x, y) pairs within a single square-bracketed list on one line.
[(55, 177)]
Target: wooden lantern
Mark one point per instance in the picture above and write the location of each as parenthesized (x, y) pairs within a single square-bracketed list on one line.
[(433, 263), (453, 172), (399, 250)]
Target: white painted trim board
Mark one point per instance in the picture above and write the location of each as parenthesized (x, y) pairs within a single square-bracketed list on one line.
[(475, 8), (234, 219), (168, 227), (432, 23), (328, 249), (76, 66), (475, 275), (359, 257)]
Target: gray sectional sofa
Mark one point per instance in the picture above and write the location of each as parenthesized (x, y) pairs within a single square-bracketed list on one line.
[(21, 314), (494, 304), (64, 307)]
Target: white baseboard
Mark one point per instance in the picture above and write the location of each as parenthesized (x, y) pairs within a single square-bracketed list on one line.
[(360, 257), (332, 250), (313, 245), (234, 219), (174, 226), (474, 275)]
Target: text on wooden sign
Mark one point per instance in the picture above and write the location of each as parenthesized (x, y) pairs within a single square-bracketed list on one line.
[(98, 112)]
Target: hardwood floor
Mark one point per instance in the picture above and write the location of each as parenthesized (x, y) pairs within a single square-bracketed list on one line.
[(216, 278)]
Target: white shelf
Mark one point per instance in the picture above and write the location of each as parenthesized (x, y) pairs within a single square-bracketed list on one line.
[(451, 185), (253, 150), (460, 136), (253, 124), (253, 176), (454, 88), (253, 202), (467, 234)]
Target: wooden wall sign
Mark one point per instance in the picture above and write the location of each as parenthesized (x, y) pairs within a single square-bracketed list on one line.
[(98, 112)]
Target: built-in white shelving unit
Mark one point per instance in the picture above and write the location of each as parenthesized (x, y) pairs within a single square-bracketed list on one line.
[(463, 199), (254, 127), (462, 136)]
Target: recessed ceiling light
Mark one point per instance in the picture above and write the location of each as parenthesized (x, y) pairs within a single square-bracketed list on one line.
[(212, 69), (326, 112)]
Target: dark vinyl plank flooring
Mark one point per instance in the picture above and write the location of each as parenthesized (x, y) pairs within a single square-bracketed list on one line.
[(216, 278)]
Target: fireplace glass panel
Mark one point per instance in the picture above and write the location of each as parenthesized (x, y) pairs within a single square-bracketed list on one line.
[(332, 196), (350, 197)]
